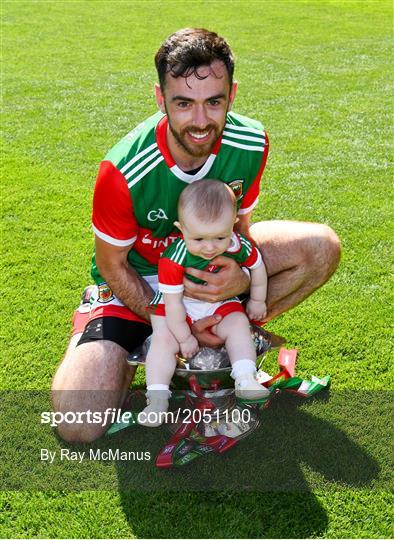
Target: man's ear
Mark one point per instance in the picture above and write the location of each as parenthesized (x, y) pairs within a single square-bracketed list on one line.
[(236, 220), (178, 225), (233, 93), (159, 98)]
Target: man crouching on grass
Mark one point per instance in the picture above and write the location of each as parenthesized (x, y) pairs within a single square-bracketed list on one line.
[(194, 135)]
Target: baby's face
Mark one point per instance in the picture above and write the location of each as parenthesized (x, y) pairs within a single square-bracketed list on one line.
[(208, 239)]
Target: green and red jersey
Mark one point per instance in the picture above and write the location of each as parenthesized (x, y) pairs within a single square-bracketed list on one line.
[(138, 185), (177, 258)]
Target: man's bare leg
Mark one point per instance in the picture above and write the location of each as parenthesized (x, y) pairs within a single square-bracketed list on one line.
[(300, 257), (93, 376)]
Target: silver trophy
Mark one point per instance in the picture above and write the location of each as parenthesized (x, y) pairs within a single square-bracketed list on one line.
[(209, 370)]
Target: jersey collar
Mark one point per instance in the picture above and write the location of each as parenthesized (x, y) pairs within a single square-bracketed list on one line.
[(235, 244), (161, 139)]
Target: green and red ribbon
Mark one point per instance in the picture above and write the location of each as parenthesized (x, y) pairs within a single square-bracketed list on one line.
[(188, 444)]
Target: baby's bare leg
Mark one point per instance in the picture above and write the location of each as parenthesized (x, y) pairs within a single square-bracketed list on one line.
[(160, 367), (235, 331), (160, 362)]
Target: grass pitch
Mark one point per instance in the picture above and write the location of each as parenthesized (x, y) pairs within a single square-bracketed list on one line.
[(76, 77)]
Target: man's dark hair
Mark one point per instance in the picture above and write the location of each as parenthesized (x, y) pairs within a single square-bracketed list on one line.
[(188, 49)]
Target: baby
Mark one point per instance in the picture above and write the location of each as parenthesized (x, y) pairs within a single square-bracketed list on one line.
[(207, 212)]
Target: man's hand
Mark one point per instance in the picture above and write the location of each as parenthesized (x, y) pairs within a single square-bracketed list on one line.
[(201, 329), (189, 347), (256, 310), (228, 282)]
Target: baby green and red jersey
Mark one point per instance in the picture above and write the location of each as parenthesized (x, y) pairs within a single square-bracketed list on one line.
[(139, 183), (172, 269)]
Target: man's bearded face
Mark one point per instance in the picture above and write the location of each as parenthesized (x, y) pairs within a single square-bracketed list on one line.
[(196, 107)]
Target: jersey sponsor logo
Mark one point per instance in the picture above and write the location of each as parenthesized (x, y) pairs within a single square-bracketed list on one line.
[(237, 187), (154, 215), (158, 243), (105, 294)]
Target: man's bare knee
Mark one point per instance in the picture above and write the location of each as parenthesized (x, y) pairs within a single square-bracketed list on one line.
[(325, 252), (334, 248), (92, 378), (85, 433), (99, 365)]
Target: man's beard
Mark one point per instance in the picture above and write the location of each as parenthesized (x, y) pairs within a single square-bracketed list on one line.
[(196, 150)]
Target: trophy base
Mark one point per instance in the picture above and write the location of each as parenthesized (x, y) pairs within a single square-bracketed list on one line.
[(229, 417)]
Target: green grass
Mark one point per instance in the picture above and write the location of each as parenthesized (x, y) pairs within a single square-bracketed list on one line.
[(76, 77)]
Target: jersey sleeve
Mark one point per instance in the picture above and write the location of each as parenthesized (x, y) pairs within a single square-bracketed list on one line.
[(113, 218), (170, 276), (250, 256), (252, 195), (254, 260)]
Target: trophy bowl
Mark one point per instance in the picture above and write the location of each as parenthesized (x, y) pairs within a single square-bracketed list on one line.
[(210, 371)]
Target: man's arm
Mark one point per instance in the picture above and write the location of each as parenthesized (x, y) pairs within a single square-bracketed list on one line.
[(243, 223), (128, 286)]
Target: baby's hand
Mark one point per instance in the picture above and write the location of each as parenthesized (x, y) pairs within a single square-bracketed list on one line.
[(189, 347), (256, 310)]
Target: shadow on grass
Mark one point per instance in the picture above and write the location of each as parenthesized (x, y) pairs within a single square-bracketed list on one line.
[(261, 488), (227, 515)]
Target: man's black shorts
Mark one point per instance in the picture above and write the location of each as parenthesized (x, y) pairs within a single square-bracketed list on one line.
[(127, 334)]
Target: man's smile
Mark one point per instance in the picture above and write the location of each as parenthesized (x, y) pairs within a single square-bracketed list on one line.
[(199, 136)]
